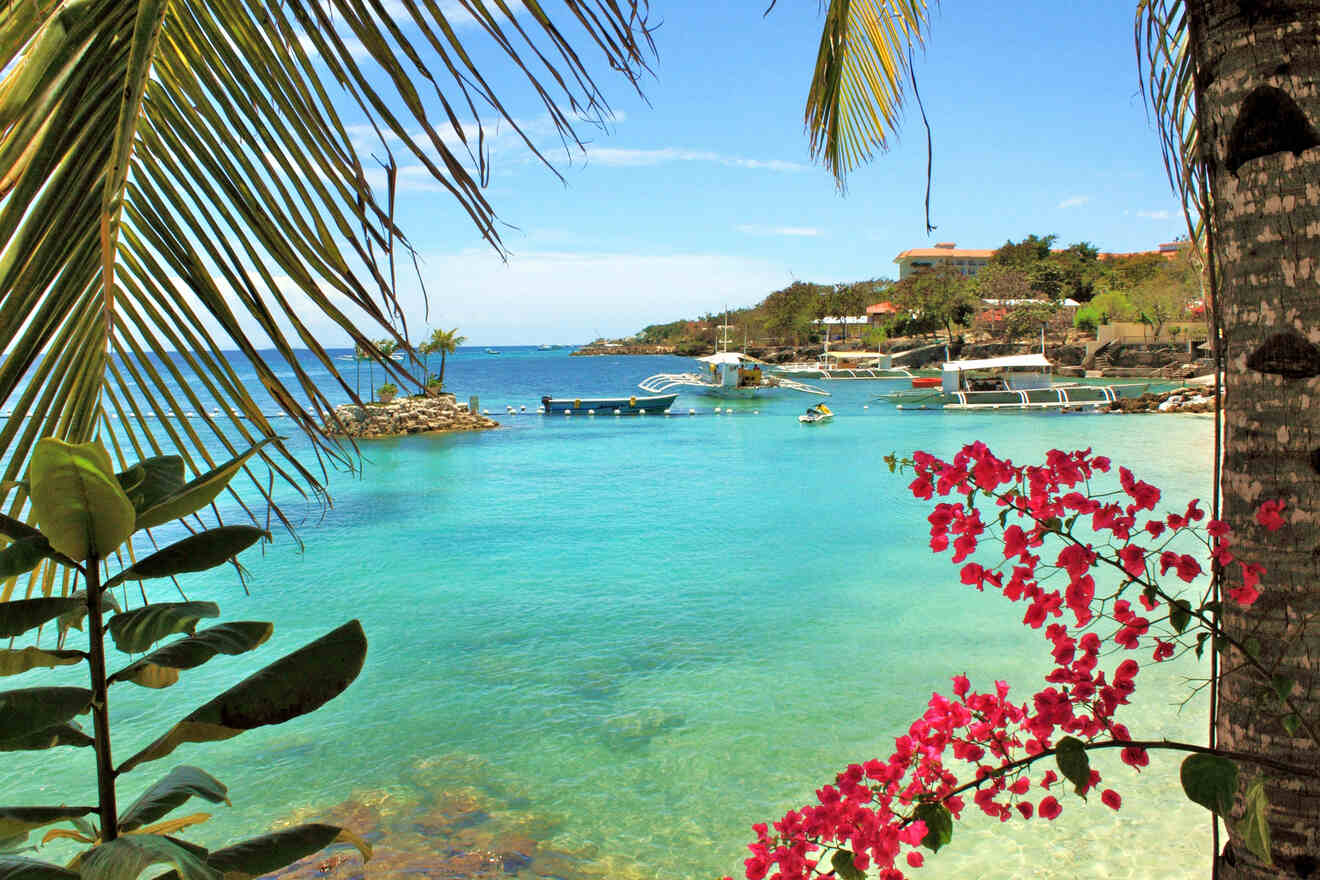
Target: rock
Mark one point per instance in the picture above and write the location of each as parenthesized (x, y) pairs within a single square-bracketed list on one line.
[(640, 727), (405, 415)]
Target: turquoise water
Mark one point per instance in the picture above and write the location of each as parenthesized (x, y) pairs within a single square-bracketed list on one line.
[(630, 638)]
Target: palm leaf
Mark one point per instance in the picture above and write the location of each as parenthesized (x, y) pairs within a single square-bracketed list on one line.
[(857, 86), (173, 171)]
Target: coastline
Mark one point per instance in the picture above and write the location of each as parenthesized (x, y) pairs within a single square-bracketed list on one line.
[(405, 415)]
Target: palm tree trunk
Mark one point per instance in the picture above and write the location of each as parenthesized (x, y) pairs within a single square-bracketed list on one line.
[(1259, 111), (443, 353)]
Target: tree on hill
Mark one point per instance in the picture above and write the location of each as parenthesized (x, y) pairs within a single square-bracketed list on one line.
[(942, 296), (789, 311), (1024, 253)]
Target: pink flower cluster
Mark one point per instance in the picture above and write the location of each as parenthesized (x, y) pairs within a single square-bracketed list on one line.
[(875, 811)]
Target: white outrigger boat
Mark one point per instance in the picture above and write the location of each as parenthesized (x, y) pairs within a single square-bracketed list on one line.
[(728, 374), (1014, 382), (844, 365)]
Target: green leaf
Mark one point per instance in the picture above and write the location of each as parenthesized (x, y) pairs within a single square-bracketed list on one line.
[(1214, 607), (30, 710), (19, 868), (76, 499), (22, 615), (1282, 685), (195, 495), (1180, 614), (15, 844), (169, 793), (1200, 643), (21, 820), (158, 669), (15, 530), (49, 738), (271, 852), (1073, 763), (152, 480), (1252, 647), (842, 862), (194, 553), (14, 661), (22, 555), (939, 824), (135, 631), (291, 686), (1292, 724), (1254, 829), (1210, 781), (130, 855)]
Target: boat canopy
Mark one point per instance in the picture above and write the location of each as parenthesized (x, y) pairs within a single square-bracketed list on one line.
[(727, 357), (855, 355), (1013, 360)]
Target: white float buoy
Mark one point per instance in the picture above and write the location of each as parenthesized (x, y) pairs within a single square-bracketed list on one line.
[(756, 412), (540, 410), (591, 412), (522, 409), (692, 412), (866, 406), (717, 409)]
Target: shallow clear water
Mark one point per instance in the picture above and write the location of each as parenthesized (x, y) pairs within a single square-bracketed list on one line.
[(634, 637)]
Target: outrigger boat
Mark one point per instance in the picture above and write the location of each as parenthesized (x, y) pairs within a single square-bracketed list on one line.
[(814, 414), (728, 374), (1015, 382), (844, 365), (626, 406)]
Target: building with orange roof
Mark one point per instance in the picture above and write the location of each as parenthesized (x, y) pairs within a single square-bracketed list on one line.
[(946, 253), (969, 262)]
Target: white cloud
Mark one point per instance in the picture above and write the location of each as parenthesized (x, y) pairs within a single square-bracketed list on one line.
[(626, 158), (1154, 215), (801, 231), (1074, 201)]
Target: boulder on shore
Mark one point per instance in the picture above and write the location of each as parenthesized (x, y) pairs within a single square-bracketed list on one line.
[(406, 415)]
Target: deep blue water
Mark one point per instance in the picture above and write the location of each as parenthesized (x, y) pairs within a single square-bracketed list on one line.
[(637, 636)]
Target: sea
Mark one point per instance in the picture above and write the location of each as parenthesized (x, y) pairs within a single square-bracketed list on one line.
[(604, 646)]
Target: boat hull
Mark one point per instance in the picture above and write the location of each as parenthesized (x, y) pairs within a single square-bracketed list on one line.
[(1063, 396), (622, 405)]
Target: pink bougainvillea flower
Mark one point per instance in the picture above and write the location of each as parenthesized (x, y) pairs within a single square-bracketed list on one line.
[(1050, 808), (1111, 799), (1270, 514)]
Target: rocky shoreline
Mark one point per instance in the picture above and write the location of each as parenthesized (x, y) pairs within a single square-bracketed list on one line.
[(1189, 399), (406, 415)]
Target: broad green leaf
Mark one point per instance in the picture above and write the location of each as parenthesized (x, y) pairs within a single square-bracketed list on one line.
[(21, 615), (159, 668), (1074, 763), (14, 661), (1292, 724), (76, 499), (169, 793), (31, 710), (1282, 685), (59, 735), (939, 824), (14, 529), (152, 480), (294, 685), (195, 495), (19, 868), (194, 553), (22, 555), (1254, 829), (842, 863), (135, 631), (1180, 614), (1210, 781), (21, 820), (270, 852), (16, 844), (130, 855)]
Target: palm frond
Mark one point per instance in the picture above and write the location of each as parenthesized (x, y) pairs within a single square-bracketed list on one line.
[(172, 171), (857, 87), (1166, 76)]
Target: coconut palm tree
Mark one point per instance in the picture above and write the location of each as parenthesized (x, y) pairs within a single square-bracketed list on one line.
[(1232, 85), (446, 342), (176, 182)]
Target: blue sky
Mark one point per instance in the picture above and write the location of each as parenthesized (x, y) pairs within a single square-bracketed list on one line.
[(704, 195)]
